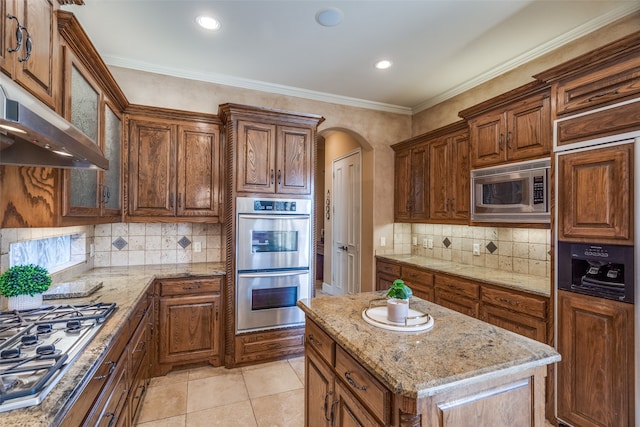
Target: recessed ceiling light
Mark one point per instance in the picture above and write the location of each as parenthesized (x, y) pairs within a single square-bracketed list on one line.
[(383, 65), (208, 22), (329, 17)]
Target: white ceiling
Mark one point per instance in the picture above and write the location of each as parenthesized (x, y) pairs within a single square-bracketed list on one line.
[(439, 48)]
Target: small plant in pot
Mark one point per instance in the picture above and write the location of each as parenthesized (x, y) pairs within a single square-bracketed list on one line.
[(23, 285), (398, 301)]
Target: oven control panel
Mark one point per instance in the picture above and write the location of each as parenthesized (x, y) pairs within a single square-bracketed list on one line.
[(274, 205)]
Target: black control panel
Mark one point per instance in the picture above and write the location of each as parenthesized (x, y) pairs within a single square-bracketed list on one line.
[(538, 189), (274, 206)]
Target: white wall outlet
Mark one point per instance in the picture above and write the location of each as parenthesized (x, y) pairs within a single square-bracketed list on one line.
[(414, 241), (430, 243), (383, 241), (425, 243), (476, 249), (197, 246), (92, 250)]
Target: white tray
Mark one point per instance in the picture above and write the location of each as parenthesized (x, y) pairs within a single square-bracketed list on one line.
[(416, 321)]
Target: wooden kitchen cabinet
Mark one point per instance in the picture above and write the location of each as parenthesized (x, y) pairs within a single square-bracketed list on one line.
[(116, 386), (449, 178), (35, 69), (386, 273), (512, 127), (90, 196), (188, 322), (458, 294), (273, 150), (411, 188), (595, 375), (174, 166), (420, 281), (339, 390), (595, 196)]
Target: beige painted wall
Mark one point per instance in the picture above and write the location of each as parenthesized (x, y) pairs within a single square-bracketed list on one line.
[(447, 111)]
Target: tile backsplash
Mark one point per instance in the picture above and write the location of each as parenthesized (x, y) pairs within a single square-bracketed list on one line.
[(520, 250)]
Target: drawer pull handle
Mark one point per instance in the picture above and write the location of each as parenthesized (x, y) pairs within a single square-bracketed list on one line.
[(508, 301), (600, 95), (190, 288), (314, 341), (353, 384), (142, 346), (112, 416), (112, 368)]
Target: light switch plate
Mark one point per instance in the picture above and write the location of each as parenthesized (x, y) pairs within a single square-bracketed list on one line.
[(197, 246), (476, 249)]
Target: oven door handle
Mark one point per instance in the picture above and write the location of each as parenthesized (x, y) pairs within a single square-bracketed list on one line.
[(274, 273), (272, 217)]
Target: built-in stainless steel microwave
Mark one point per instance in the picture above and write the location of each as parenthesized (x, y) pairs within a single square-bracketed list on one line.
[(517, 192)]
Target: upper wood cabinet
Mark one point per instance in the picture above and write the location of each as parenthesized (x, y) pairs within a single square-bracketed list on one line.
[(512, 127), (595, 195), (174, 166), (449, 178), (432, 176), (602, 77), (33, 65), (411, 189), (273, 150)]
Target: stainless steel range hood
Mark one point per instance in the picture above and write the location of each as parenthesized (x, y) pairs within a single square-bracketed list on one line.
[(31, 134)]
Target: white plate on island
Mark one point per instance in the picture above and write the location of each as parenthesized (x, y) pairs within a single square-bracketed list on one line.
[(416, 320)]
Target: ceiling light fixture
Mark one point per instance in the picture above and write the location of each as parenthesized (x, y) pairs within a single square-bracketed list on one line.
[(383, 65), (208, 22), (329, 17)]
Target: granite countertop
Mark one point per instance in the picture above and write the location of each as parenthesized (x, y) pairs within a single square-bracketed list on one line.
[(123, 286), (458, 350), (518, 281)]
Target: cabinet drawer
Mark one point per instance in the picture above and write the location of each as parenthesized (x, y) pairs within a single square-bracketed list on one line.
[(189, 286), (458, 286), (138, 346), (317, 339), (417, 276), (388, 268), (371, 392), (530, 305), (604, 86)]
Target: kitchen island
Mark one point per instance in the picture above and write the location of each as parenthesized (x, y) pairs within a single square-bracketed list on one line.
[(460, 372)]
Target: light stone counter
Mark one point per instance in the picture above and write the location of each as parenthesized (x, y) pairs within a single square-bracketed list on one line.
[(521, 282), (458, 351), (124, 286)]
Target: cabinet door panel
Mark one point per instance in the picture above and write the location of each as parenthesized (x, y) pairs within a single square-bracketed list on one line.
[(198, 157), (294, 160), (439, 179), (112, 136), (402, 187), (188, 328), (151, 169), (595, 197), (256, 157), (595, 338), (420, 182), (487, 139), (319, 391), (349, 412), (461, 190), (529, 129), (38, 74)]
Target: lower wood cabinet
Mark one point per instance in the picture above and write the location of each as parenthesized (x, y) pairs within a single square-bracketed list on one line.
[(112, 394), (188, 322), (261, 346), (457, 294), (595, 375)]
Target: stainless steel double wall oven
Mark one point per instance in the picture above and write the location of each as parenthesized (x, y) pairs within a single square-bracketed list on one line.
[(273, 261)]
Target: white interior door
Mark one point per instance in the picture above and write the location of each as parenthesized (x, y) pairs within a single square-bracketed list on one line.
[(345, 262)]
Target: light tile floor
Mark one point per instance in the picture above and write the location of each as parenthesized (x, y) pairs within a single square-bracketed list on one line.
[(265, 395)]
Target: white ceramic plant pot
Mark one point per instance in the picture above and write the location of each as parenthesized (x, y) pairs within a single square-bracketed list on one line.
[(397, 310), (25, 302)]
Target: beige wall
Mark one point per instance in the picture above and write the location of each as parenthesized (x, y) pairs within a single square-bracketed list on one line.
[(447, 111)]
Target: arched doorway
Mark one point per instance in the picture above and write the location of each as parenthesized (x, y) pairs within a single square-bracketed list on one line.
[(333, 144)]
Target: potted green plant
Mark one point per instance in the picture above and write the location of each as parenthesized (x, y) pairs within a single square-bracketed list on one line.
[(23, 285), (398, 301)]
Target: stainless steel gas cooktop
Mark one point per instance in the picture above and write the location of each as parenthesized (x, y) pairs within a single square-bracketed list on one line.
[(38, 346)]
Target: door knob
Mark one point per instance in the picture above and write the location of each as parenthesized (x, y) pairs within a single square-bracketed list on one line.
[(344, 248)]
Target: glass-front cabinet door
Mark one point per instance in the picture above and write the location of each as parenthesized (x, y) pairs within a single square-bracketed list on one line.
[(111, 177)]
